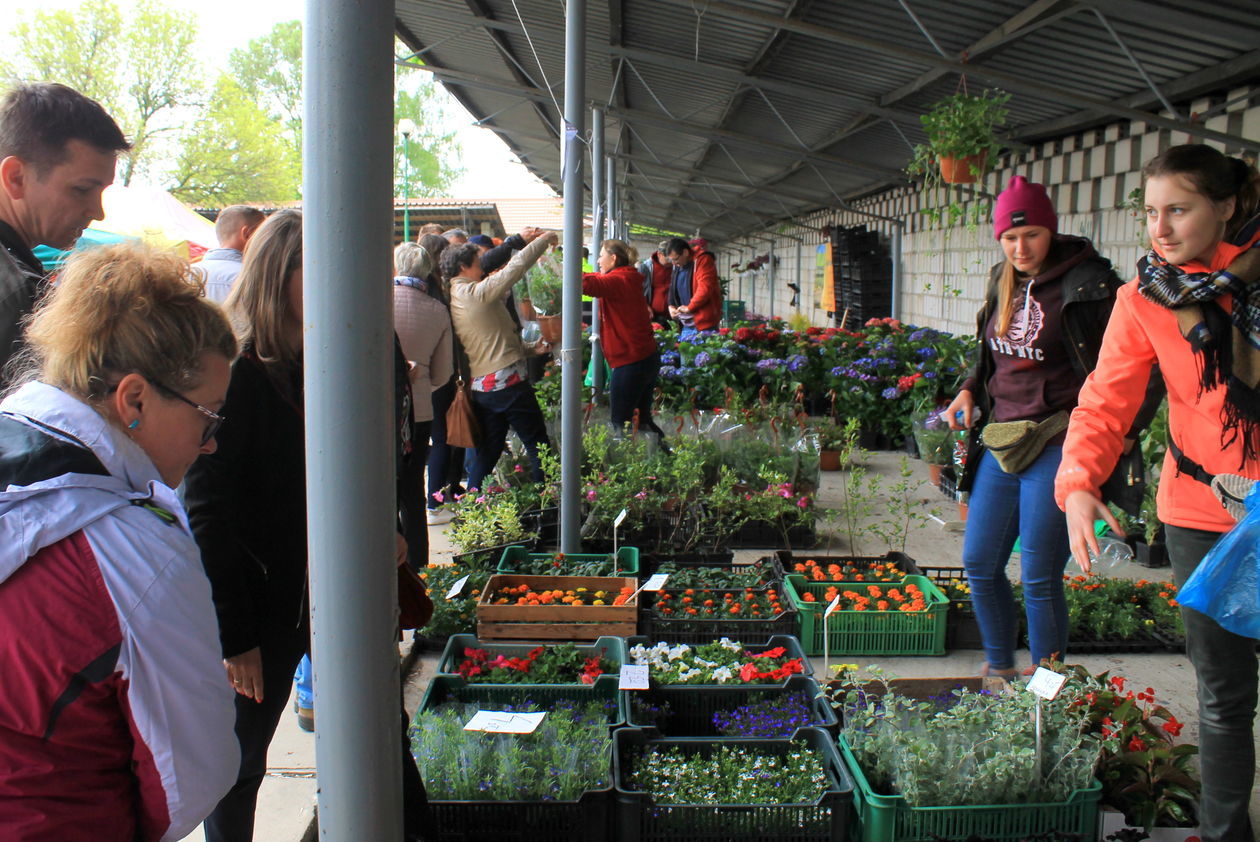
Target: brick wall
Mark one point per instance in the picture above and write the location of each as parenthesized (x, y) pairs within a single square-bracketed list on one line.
[(1090, 176)]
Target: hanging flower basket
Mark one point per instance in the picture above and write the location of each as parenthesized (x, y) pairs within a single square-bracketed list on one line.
[(962, 170)]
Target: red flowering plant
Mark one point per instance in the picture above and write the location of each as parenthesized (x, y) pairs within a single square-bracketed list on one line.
[(1145, 773), (562, 663)]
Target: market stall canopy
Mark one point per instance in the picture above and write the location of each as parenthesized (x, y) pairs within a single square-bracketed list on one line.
[(727, 118), (157, 217), (53, 258)]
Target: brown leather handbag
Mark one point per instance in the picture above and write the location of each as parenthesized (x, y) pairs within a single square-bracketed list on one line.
[(461, 423), (415, 609)]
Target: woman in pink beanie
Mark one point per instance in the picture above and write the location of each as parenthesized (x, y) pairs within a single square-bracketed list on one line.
[(1040, 331)]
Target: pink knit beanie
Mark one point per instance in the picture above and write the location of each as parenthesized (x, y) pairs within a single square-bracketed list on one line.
[(1023, 203)]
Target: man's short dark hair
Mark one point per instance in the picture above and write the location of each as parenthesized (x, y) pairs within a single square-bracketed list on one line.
[(37, 120), (455, 259), (676, 245)]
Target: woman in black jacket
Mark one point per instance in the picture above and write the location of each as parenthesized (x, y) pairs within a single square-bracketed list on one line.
[(1039, 333)]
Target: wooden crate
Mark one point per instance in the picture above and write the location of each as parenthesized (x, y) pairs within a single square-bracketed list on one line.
[(556, 622)]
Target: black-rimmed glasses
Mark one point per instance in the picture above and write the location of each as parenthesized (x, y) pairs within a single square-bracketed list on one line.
[(215, 419)]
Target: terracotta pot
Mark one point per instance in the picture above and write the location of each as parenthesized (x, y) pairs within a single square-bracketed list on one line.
[(959, 170), (551, 329), (525, 308), (962, 512), (829, 460), (934, 473)]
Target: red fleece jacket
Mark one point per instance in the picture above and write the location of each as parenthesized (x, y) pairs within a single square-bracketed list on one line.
[(625, 323), (706, 291)]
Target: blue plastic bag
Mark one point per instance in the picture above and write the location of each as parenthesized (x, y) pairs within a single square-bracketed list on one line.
[(1226, 584)]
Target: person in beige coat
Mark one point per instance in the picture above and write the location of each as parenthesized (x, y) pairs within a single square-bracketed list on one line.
[(502, 396), (423, 326)]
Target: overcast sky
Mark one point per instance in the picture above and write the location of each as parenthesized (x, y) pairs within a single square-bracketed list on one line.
[(490, 170)]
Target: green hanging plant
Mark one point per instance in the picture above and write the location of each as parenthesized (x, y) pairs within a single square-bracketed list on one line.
[(960, 128)]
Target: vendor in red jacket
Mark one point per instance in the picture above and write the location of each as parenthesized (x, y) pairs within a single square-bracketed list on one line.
[(695, 295), (625, 329)]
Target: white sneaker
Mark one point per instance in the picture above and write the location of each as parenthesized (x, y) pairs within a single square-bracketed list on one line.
[(437, 517)]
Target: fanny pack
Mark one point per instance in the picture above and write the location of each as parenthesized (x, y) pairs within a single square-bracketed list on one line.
[(1017, 444)]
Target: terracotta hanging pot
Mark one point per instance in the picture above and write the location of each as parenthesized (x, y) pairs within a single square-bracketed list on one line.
[(525, 308), (829, 460), (961, 170), (934, 474), (551, 329)]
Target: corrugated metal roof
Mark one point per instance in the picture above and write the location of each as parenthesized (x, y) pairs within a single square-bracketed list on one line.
[(700, 147)]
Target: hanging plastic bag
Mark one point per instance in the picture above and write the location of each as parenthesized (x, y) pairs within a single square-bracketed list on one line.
[(1226, 584)]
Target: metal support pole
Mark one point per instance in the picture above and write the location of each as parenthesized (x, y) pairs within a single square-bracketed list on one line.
[(350, 494), (406, 187), (895, 292), (571, 343), (770, 276), (613, 220), (597, 237)]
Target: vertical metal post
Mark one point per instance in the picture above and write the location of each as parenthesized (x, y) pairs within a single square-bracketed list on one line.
[(597, 237), (800, 277), (348, 326), (895, 292), (613, 219), (770, 276), (571, 350), (406, 186)]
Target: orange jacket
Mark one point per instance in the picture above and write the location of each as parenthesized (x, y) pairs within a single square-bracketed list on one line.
[(1140, 334)]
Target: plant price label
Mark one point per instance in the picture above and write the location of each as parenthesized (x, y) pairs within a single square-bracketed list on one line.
[(655, 582), (633, 677), (503, 722), (457, 588), (621, 515), (1046, 683), (831, 608)]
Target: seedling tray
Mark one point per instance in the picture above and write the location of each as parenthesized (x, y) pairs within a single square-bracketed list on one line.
[(888, 818), (784, 560), (639, 817), (693, 630), (791, 646), (627, 561), (691, 708), (556, 622), (612, 648), (447, 688), (886, 633)]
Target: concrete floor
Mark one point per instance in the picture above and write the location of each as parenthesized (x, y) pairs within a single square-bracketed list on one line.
[(287, 798)]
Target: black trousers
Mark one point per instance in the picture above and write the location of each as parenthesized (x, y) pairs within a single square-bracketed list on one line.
[(412, 513)]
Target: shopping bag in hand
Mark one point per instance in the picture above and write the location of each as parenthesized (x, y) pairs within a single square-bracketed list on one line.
[(1226, 584)]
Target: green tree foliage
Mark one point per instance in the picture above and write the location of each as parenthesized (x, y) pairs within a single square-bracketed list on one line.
[(269, 69), (236, 154), (431, 153), (138, 67)]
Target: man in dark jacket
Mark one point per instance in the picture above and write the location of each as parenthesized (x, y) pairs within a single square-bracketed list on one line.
[(57, 155), (695, 294)]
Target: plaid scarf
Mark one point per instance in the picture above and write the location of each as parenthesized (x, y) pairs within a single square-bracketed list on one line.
[(1226, 345)]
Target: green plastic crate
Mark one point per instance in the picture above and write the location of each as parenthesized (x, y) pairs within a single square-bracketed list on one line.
[(888, 818), (627, 560), (445, 688), (790, 644), (888, 633)]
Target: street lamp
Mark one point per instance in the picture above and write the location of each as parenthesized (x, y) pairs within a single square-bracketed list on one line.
[(405, 128)]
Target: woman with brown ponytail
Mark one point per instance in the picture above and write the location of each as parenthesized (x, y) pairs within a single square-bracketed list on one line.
[(1194, 309)]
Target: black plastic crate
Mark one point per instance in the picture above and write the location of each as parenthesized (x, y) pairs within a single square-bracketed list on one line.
[(650, 561), (749, 631), (949, 483), (639, 817), (962, 630), (773, 578), (691, 709), (785, 559), (588, 818), (487, 558), (764, 535)]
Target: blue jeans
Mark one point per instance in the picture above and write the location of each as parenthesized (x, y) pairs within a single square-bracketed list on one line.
[(445, 463), (1225, 668), (304, 678), (1005, 507), (630, 389), (514, 407)]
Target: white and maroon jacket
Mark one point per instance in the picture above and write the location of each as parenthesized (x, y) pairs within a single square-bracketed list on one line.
[(116, 720)]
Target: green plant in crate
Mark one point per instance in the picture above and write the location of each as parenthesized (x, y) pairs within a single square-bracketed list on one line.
[(457, 615), (567, 755), (487, 520), (969, 749), (730, 775)]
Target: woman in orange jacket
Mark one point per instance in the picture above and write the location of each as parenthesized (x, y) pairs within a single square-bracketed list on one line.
[(1182, 313)]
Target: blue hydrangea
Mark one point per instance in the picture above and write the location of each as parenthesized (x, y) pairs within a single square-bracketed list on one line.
[(924, 333), (926, 353), (863, 362), (701, 359), (840, 371), (890, 393), (668, 372), (769, 364), (929, 375), (669, 358), (796, 362), (886, 362)]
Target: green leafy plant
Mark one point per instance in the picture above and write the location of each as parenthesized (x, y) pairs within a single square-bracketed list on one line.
[(487, 520), (901, 510), (546, 285), (458, 614), (961, 126), (730, 775)]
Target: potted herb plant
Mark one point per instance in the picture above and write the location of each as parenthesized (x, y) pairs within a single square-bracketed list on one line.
[(962, 139), (546, 286)]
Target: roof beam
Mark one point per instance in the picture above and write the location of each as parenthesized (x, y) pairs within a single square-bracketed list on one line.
[(1236, 69), (730, 74), (1236, 28), (1037, 15), (717, 181), (639, 117), (1013, 82)]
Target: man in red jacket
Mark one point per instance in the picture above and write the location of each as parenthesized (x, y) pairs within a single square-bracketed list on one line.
[(695, 296), (657, 274)]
